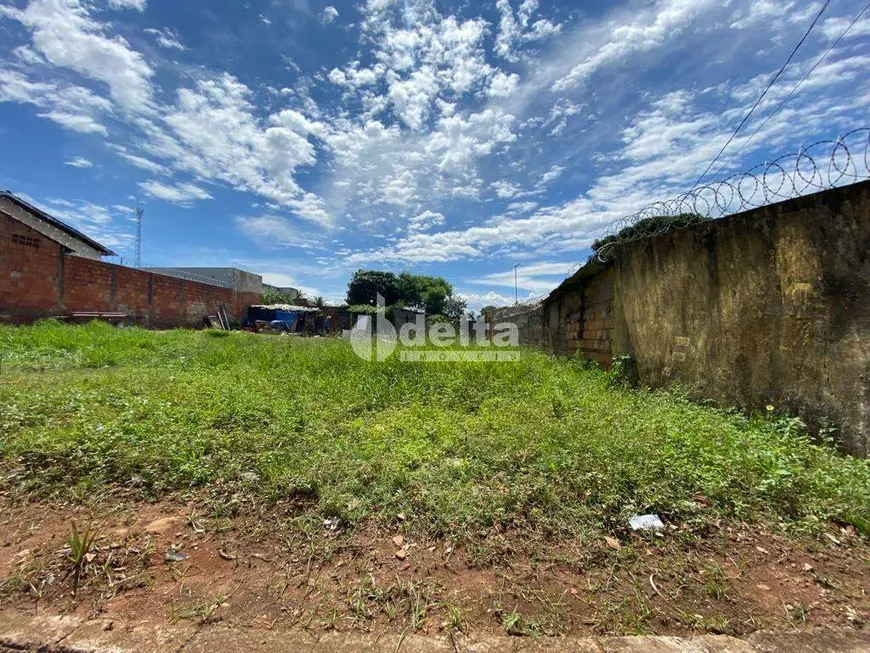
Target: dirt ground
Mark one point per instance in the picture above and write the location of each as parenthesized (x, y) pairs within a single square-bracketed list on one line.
[(267, 568)]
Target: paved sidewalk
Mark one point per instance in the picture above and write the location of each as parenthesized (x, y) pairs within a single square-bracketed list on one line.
[(50, 634)]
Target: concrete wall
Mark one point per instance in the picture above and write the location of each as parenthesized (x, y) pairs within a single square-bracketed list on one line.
[(770, 306), (529, 323), (766, 307), (579, 317), (39, 279)]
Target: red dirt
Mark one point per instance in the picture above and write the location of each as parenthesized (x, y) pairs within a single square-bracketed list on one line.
[(266, 570)]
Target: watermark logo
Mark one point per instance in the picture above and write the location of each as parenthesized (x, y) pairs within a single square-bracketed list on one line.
[(375, 338)]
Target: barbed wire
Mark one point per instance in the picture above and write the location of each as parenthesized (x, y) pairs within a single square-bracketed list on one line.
[(525, 306), (821, 166)]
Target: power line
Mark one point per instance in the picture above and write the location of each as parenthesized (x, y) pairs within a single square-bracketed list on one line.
[(761, 97), (794, 90)]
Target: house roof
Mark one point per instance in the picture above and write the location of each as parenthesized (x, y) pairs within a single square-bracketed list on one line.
[(290, 308), (54, 222)]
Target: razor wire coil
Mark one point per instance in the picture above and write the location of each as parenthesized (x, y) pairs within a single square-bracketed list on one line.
[(820, 166)]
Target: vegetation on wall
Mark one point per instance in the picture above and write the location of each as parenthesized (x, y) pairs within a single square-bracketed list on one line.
[(278, 297), (656, 224)]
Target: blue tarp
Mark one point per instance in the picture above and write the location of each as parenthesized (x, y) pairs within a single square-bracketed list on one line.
[(288, 318)]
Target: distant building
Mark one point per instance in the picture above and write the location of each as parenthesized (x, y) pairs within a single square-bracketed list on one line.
[(238, 280), (72, 240)]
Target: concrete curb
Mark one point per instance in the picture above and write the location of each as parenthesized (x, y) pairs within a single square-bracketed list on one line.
[(53, 634)]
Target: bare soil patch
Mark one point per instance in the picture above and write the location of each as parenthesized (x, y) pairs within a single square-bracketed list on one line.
[(270, 569)]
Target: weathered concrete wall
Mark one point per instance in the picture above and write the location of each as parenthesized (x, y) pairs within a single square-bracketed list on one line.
[(529, 323), (579, 317), (770, 306)]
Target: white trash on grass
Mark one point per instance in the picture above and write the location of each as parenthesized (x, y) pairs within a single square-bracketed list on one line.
[(646, 523)]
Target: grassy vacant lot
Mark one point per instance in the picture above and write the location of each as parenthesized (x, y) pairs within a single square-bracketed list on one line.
[(542, 444), (547, 450)]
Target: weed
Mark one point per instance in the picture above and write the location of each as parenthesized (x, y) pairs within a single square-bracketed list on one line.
[(715, 582), (80, 545), (455, 619)]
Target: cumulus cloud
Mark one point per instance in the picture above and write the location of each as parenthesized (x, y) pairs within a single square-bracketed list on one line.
[(502, 85), (328, 15), (425, 221)]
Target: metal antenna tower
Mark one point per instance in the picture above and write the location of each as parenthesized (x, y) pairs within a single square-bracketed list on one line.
[(139, 213)]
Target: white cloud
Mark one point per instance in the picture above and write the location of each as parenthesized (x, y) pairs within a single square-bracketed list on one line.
[(166, 38), (662, 151), (328, 15), (537, 278), (79, 162), (270, 231), (73, 107), (425, 221), (614, 41), (551, 175), (138, 5), (75, 122), (511, 33), (832, 28), (141, 162), (502, 85), (182, 193), (64, 32), (212, 131), (508, 30), (476, 301), (506, 190), (99, 222)]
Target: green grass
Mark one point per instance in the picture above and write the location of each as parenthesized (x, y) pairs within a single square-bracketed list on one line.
[(542, 444)]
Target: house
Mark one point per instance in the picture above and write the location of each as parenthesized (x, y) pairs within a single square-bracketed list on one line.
[(73, 241), (50, 269)]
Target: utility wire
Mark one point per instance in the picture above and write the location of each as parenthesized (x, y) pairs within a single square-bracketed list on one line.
[(761, 97), (794, 90)]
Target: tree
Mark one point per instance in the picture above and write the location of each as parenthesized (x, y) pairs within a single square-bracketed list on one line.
[(319, 302), (365, 285), (423, 292), (418, 291), (276, 297), (454, 308)]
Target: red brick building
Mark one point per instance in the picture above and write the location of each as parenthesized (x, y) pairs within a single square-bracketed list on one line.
[(49, 269)]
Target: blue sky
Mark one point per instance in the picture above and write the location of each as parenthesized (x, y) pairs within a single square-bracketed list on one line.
[(304, 140)]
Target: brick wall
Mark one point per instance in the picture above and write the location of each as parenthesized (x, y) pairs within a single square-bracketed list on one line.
[(38, 280), (30, 270), (593, 332)]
